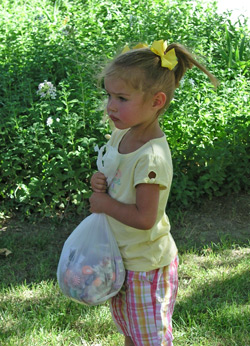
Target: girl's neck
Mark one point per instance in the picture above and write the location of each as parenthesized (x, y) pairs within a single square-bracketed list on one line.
[(136, 137)]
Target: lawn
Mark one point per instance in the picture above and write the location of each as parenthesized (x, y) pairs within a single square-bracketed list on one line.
[(213, 306)]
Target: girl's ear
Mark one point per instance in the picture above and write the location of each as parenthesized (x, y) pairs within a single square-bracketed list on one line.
[(159, 100)]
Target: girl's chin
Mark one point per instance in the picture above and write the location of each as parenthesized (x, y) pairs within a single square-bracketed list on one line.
[(119, 125)]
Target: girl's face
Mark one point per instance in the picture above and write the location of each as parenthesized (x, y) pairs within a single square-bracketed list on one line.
[(126, 106)]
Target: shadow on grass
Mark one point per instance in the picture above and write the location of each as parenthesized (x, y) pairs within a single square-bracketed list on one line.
[(219, 220), (214, 308), (219, 307), (36, 249)]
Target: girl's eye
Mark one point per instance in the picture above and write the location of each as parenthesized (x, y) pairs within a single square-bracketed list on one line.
[(122, 98)]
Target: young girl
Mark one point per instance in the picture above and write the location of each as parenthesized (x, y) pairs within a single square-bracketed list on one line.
[(140, 84)]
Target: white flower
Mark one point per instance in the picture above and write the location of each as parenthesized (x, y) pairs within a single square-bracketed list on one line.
[(191, 81), (57, 119), (46, 90), (182, 81), (245, 98), (49, 121), (65, 31)]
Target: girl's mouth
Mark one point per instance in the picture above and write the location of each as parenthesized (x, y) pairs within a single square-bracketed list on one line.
[(113, 118)]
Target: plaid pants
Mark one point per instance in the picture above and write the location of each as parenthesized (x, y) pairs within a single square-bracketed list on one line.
[(144, 306)]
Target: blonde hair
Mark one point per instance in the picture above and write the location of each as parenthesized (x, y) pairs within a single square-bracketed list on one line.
[(142, 69)]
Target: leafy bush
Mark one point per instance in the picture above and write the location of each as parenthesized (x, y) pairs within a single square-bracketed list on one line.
[(209, 135), (47, 143)]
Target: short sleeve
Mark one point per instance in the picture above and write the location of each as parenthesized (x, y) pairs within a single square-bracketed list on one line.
[(158, 167)]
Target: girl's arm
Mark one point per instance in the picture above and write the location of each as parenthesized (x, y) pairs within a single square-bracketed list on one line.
[(141, 215)]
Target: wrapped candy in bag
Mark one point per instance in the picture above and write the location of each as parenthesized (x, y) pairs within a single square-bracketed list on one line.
[(90, 269)]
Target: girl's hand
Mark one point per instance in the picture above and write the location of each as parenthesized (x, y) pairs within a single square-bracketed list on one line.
[(98, 202), (98, 182)]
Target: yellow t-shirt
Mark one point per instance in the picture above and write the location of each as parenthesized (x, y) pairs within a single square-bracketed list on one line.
[(143, 250)]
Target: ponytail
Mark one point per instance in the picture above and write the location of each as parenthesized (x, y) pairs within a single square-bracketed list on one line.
[(186, 61)]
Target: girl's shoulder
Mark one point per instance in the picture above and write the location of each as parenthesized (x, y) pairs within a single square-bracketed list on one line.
[(157, 145)]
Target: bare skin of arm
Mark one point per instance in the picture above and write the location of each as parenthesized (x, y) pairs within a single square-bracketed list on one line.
[(141, 215)]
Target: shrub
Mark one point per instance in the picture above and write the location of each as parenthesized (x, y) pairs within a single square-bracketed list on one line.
[(47, 143)]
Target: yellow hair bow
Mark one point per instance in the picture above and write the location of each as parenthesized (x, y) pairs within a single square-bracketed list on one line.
[(138, 46), (168, 60)]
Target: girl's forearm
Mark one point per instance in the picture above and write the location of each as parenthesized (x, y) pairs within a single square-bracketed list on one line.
[(141, 215), (128, 214)]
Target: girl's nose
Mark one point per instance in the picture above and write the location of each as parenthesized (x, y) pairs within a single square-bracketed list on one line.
[(111, 105)]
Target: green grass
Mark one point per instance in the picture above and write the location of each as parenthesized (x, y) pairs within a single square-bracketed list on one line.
[(213, 306), (38, 314)]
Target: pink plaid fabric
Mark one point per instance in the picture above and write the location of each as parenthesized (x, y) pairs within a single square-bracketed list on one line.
[(144, 307)]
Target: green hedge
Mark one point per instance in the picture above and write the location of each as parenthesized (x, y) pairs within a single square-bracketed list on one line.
[(47, 144)]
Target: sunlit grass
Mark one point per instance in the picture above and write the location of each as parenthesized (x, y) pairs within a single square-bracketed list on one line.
[(40, 315), (213, 307)]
